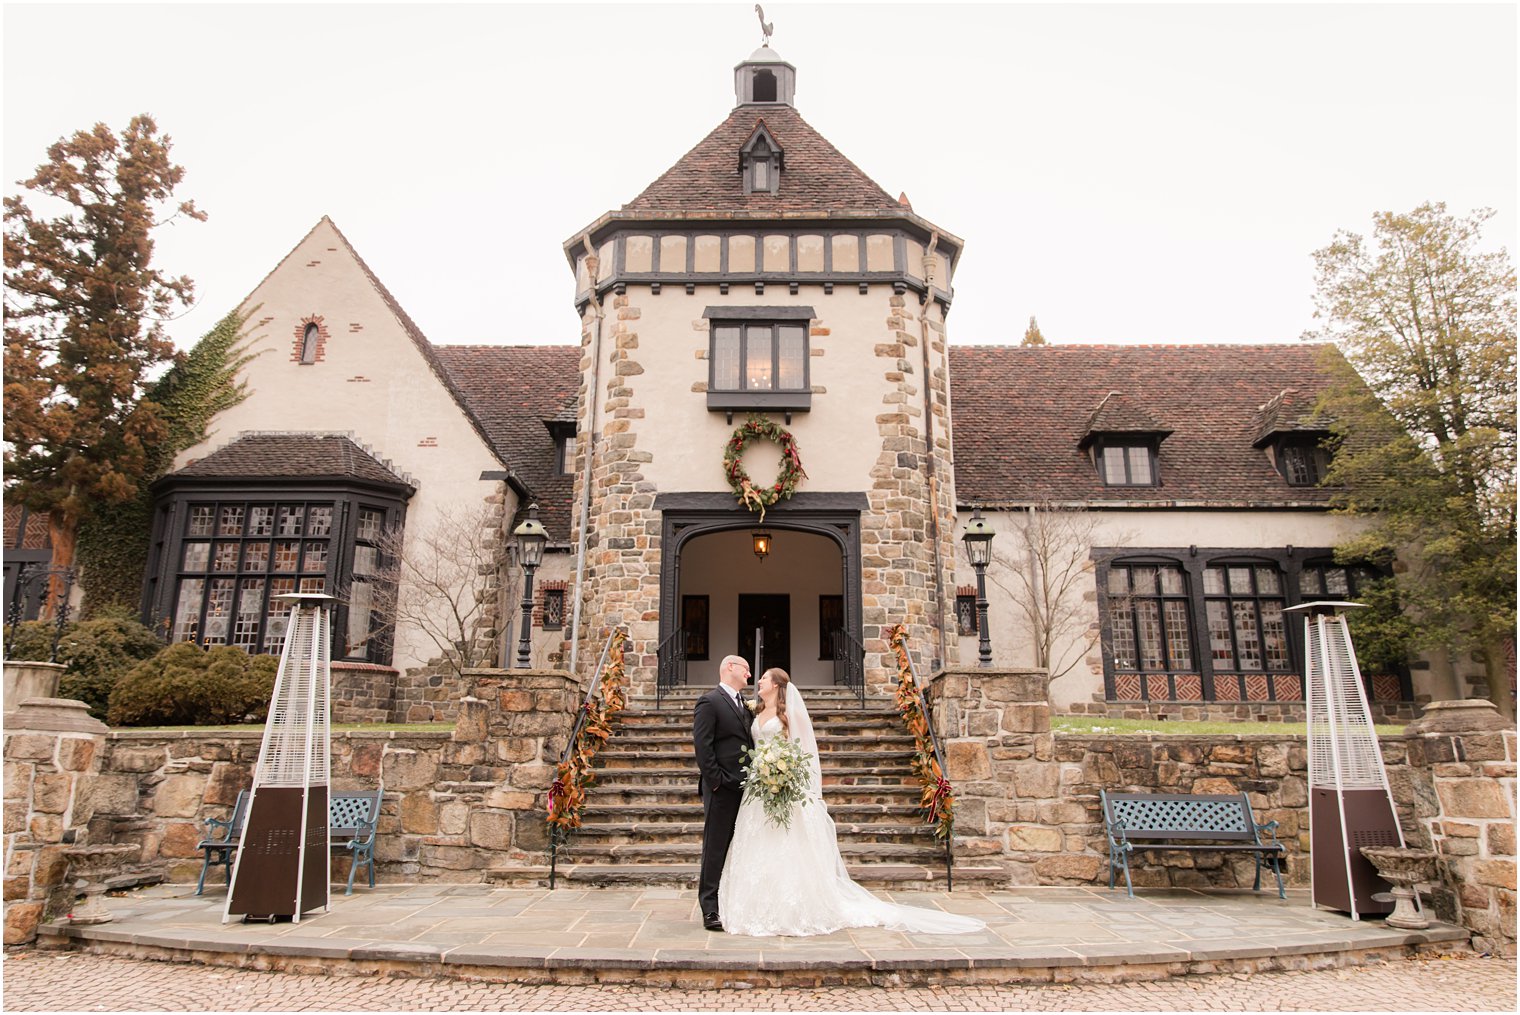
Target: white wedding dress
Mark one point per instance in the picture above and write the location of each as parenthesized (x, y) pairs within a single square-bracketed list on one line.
[(792, 880)]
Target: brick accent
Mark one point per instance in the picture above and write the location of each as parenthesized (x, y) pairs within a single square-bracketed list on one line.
[(300, 339)]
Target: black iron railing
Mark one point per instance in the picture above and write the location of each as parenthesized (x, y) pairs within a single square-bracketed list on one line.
[(28, 576), (938, 798), (671, 671), (849, 664), (567, 794)]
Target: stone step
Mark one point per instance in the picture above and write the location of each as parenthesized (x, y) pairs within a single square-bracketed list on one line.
[(830, 761), (605, 798), (616, 832), (686, 812), (856, 725), (875, 876), (851, 775), (663, 740), (691, 852)]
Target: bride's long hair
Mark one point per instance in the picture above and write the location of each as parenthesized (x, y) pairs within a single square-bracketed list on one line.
[(780, 679)]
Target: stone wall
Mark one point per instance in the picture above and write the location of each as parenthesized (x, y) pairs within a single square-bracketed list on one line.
[(1464, 810), (362, 692), (53, 752), (456, 803)]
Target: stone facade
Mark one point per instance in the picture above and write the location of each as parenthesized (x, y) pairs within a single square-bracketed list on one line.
[(362, 693)]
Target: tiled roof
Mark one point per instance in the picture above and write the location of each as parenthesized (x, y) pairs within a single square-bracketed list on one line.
[(1019, 413), (1116, 412), (513, 390), (815, 177), (35, 535), (279, 455), (1289, 411)]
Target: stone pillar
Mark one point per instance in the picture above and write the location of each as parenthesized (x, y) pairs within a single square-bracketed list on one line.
[(53, 751), (1000, 757), (27, 679), (483, 805), (1462, 760)]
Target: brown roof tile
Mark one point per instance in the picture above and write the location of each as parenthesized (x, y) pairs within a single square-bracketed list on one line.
[(1020, 412), (513, 390), (1116, 412), (815, 177), (1288, 411), (280, 455)]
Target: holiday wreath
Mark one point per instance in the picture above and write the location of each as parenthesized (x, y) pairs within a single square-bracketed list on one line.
[(758, 498)]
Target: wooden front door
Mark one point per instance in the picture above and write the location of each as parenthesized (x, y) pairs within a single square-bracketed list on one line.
[(773, 615)]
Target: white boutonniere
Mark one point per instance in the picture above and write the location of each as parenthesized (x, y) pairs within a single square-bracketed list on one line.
[(753, 704)]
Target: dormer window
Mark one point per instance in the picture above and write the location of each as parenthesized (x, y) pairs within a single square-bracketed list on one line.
[(1124, 439), (760, 162), (1127, 461), (562, 433), (1302, 458)]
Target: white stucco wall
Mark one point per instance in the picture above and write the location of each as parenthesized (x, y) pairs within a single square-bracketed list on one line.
[(372, 381), (838, 439)]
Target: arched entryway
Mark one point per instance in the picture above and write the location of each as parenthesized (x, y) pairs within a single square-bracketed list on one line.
[(715, 592)]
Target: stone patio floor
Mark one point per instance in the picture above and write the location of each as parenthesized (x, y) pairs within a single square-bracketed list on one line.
[(655, 935)]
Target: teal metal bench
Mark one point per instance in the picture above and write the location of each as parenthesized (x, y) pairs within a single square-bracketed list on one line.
[(1198, 823), (351, 822), (222, 839)]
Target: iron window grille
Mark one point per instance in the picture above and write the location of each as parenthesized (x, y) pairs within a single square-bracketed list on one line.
[(965, 615), (309, 343), (554, 609)]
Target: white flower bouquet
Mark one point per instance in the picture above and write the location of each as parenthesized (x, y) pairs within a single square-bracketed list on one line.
[(776, 773)]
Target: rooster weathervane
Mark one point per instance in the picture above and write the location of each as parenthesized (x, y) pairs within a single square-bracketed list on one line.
[(765, 26)]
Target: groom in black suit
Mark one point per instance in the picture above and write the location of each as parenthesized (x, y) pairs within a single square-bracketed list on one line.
[(720, 729)]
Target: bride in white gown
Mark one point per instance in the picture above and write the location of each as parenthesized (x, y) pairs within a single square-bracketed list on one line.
[(792, 880)]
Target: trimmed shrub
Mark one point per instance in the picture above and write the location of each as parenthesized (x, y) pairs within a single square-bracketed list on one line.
[(95, 653), (185, 685)]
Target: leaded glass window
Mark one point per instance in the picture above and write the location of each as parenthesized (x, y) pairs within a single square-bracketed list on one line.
[(1248, 632), (1149, 629)]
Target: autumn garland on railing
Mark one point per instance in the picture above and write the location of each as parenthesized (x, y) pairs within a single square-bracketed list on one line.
[(937, 799), (567, 796)]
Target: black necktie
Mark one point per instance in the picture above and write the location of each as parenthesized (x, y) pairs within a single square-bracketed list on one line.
[(738, 700)]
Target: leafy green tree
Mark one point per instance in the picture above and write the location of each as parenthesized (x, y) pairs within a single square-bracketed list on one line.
[(84, 323), (1426, 446)]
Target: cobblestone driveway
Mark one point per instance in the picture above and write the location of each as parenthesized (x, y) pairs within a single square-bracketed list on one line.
[(46, 981)]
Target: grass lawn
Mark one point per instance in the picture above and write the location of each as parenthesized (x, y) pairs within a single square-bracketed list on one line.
[(1088, 724)]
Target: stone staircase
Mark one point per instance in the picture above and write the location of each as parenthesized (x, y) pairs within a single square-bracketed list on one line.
[(643, 819)]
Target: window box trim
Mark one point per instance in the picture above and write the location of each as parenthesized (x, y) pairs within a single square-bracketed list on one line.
[(760, 314)]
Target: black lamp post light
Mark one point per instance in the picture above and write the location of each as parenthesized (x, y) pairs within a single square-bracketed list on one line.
[(531, 538), (978, 540)]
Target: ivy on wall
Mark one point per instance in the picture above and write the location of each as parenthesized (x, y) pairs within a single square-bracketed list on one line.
[(113, 547)]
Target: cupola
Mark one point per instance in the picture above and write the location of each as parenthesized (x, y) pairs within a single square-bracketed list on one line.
[(765, 80)]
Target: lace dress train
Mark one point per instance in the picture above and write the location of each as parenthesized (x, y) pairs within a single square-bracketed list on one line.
[(793, 881)]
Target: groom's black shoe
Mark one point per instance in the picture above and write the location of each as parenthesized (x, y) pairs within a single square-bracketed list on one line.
[(711, 922)]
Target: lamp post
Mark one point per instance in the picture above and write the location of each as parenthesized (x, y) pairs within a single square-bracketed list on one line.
[(531, 538), (978, 540)]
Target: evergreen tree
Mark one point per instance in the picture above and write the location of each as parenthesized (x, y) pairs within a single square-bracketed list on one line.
[(84, 323)]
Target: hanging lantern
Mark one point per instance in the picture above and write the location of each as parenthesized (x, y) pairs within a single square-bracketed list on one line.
[(762, 542)]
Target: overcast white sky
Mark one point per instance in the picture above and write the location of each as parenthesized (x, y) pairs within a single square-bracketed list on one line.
[(1129, 174)]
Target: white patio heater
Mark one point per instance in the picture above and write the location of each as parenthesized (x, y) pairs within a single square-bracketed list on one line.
[(1350, 804), (283, 865)]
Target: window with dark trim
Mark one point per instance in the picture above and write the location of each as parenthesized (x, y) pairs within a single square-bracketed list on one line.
[(563, 461), (554, 609), (759, 362), (1210, 624), (694, 624), (1127, 462), (1248, 632), (1148, 616), (965, 614), (224, 557), (1302, 459), (830, 621)]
